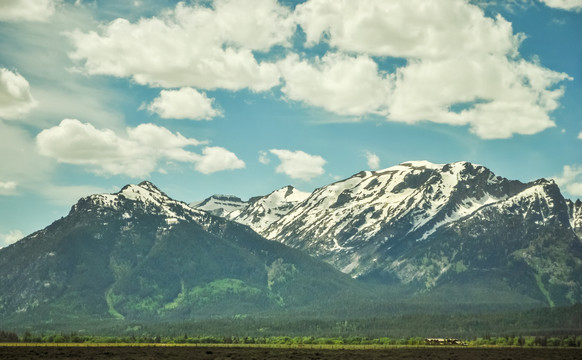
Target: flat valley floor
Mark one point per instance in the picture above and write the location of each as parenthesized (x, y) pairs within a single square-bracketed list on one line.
[(258, 353)]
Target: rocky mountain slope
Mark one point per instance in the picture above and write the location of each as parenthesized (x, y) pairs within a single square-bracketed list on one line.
[(259, 212), (138, 254), (426, 225), (575, 213)]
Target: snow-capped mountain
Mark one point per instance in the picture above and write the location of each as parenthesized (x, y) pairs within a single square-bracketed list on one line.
[(425, 224), (138, 254), (259, 212)]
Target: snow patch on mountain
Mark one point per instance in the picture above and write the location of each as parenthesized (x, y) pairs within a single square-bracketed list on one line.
[(142, 198)]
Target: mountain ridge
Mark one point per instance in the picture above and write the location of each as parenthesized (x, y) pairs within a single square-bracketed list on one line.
[(387, 224)]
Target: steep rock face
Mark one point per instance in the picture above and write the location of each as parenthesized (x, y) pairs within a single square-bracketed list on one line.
[(138, 254), (524, 241), (575, 212), (220, 205), (424, 224)]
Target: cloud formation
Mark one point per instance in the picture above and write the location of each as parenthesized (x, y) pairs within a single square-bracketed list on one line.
[(298, 164), (10, 238), (462, 67), (215, 159), (211, 47), (15, 98), (26, 10), (570, 179), (575, 5), (414, 29), (495, 96), (337, 82), (185, 103), (137, 154), (453, 64)]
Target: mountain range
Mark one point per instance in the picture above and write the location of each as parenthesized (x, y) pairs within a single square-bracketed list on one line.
[(426, 225), (140, 255), (412, 237)]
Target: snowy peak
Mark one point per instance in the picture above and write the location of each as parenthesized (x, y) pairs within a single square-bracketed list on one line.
[(220, 205), (263, 211), (413, 193), (133, 201), (145, 192)]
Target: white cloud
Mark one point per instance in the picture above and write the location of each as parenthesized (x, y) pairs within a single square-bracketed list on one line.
[(298, 164), (497, 97), (7, 187), (10, 238), (462, 67), (137, 154), (373, 160), (405, 28), (40, 51), (15, 98), (571, 179), (338, 83), (215, 159), (210, 47), (575, 5), (580, 135), (264, 157), (26, 10), (185, 103)]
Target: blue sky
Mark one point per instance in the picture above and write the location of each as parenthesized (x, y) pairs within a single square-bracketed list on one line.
[(245, 97)]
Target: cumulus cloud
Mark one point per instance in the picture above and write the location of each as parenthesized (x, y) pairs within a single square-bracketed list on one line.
[(215, 159), (298, 164), (10, 238), (15, 98), (570, 179), (575, 5), (373, 160), (462, 67), (405, 28), (210, 47), (185, 103), (26, 10), (497, 97), (338, 83), (137, 154), (580, 135)]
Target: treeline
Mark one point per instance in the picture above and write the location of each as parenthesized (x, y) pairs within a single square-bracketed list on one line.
[(515, 341), (6, 336)]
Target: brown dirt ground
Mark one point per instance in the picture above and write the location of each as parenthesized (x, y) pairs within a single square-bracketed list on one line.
[(256, 353)]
